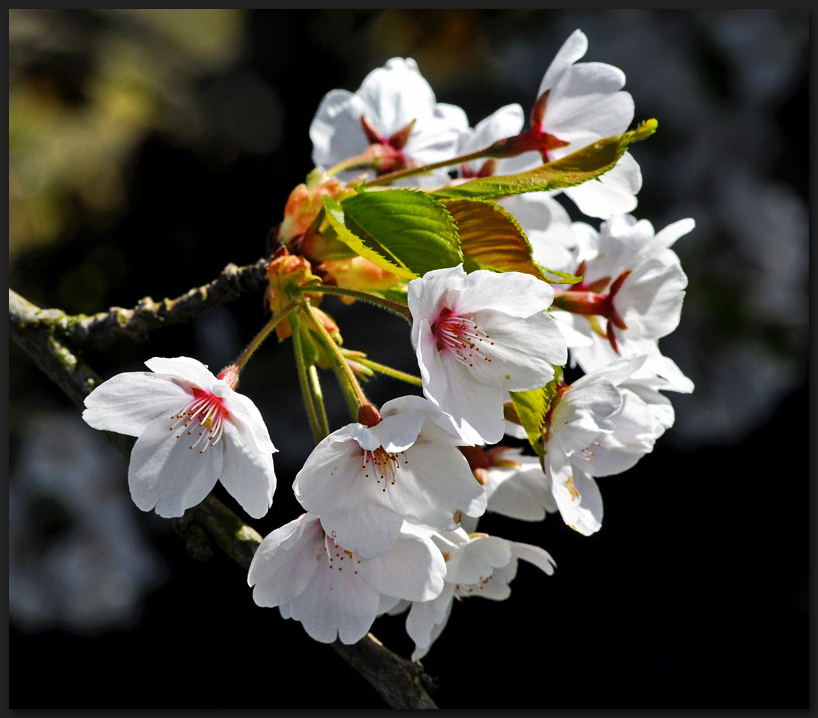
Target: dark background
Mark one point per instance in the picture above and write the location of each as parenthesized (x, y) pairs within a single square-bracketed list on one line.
[(149, 149)]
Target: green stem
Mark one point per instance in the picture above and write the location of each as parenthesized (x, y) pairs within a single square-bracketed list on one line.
[(319, 399), (383, 369), (349, 163), (394, 307), (402, 174), (303, 382), (257, 341), (352, 390)]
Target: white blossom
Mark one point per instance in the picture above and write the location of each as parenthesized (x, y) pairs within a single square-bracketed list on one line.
[(476, 565), (192, 429), (577, 104), (602, 424), (364, 481), (478, 336), (634, 282), (333, 591), (393, 100)]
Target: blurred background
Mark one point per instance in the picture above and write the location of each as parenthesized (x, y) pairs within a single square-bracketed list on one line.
[(149, 148)]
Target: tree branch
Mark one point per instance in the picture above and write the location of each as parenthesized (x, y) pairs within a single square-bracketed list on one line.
[(39, 333), (82, 329)]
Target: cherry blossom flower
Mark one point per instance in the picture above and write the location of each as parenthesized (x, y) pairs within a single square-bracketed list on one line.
[(364, 481), (394, 112), (478, 336), (192, 429), (602, 424), (634, 282), (577, 104), (476, 565), (335, 592)]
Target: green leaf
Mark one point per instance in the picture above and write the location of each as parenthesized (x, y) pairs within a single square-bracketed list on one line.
[(561, 277), (491, 238), (583, 165), (372, 251), (532, 408), (405, 231)]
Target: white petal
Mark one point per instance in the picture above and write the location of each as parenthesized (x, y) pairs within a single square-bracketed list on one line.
[(668, 369), (279, 575), (329, 472), (521, 493), (427, 619), (505, 122), (166, 474), (612, 193), (185, 368), (127, 403), (336, 604), (477, 408), (534, 554), (436, 483), (575, 328), (247, 418), (577, 495), (412, 569), (362, 524), (668, 236), (336, 131), (436, 423), (396, 94), (428, 295), (395, 433), (586, 105), (511, 293), (518, 354), (583, 413), (572, 50), (650, 301), (477, 560), (247, 474)]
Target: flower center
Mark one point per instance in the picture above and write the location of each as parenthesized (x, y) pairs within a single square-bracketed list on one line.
[(391, 157), (460, 336), (202, 418), (383, 466), (466, 590), (336, 556)]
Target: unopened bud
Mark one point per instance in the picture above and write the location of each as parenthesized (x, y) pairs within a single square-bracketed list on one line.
[(304, 204)]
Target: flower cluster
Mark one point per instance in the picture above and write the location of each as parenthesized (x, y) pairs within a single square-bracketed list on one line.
[(461, 231)]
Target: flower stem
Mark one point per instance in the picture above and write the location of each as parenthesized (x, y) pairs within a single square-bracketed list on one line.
[(383, 369), (244, 357), (319, 399), (402, 174), (394, 307), (349, 163), (352, 390), (306, 393)]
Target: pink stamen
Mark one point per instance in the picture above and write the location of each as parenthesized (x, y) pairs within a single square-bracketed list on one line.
[(204, 412), (460, 336)]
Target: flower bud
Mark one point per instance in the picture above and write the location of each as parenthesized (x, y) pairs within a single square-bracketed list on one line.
[(359, 273), (304, 204), (286, 270)]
